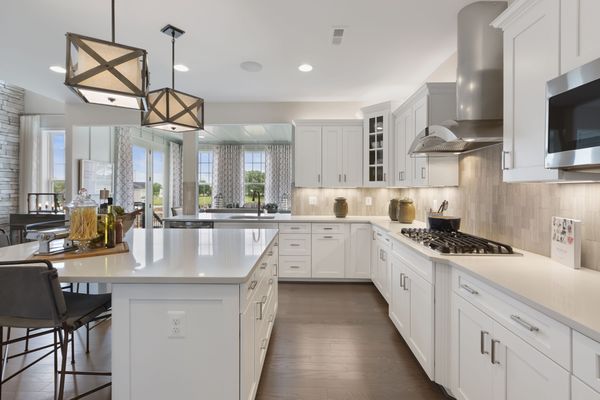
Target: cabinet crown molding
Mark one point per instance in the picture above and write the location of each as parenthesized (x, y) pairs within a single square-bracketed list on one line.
[(512, 13), (429, 88), (385, 106), (328, 122)]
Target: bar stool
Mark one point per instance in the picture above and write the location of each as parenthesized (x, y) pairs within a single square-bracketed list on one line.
[(31, 297)]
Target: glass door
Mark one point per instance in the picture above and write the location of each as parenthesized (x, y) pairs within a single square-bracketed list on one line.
[(376, 149), (149, 185)]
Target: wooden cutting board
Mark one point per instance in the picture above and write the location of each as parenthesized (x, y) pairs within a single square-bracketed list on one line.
[(72, 255)]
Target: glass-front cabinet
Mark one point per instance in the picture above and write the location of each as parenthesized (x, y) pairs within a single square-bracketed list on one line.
[(376, 133)]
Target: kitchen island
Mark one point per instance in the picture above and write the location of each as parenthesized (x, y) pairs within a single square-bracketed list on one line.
[(192, 310)]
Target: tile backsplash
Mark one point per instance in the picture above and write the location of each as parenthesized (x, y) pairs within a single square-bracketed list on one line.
[(518, 213)]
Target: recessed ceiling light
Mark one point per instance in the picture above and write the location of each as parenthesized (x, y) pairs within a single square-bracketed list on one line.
[(305, 67), (180, 68), (58, 69), (251, 66)]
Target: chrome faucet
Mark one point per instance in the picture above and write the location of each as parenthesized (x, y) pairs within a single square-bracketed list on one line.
[(256, 195)]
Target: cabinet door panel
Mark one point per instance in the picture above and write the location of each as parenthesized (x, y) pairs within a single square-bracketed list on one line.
[(307, 156), (400, 299), (332, 156), (531, 58), (421, 320), (359, 265), (420, 122), (581, 391), (473, 370), (579, 33), (328, 256), (248, 382), (523, 373), (352, 158)]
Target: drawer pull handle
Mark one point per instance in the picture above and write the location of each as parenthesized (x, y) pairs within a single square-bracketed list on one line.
[(260, 310), (270, 253), (253, 285), (469, 289), (276, 269), (263, 265), (263, 344), (295, 228), (328, 228), (482, 342), (524, 324), (402, 280), (294, 266), (295, 244), (493, 355), (327, 237)]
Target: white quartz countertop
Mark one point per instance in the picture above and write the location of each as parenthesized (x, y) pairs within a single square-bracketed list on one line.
[(567, 295), (252, 217), (226, 256)]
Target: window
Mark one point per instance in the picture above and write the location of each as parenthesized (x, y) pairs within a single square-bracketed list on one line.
[(254, 173), (205, 177), (57, 161)]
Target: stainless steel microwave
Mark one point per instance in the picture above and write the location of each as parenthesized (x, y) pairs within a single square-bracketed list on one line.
[(573, 119)]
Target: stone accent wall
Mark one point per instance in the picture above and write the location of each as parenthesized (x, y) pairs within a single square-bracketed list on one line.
[(12, 105)]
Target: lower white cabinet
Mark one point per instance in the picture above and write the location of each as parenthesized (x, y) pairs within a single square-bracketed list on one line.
[(359, 264), (382, 274), (248, 383), (491, 362), (294, 266), (412, 311), (328, 255), (581, 391), (586, 360)]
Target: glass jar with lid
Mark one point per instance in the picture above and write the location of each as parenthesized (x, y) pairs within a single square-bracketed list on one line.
[(83, 216)]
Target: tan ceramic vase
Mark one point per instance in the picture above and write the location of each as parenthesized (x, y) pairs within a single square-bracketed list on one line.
[(406, 211), (340, 207)]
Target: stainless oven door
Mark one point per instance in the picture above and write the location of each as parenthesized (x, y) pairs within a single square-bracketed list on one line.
[(573, 119)]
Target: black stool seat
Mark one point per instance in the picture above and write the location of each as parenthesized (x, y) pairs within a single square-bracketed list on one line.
[(83, 308)]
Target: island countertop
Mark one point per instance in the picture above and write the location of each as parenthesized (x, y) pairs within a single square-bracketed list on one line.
[(221, 256)]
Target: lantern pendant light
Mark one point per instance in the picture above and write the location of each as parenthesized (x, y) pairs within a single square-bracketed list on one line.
[(172, 110), (107, 73)]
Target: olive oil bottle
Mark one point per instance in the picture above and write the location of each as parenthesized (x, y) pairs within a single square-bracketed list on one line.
[(110, 225)]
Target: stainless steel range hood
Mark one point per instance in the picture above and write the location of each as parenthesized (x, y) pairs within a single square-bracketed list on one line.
[(479, 87)]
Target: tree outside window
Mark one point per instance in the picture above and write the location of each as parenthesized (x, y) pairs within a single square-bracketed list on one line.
[(205, 177), (254, 173), (57, 153)]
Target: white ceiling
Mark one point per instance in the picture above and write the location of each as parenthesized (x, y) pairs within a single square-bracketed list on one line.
[(233, 133), (389, 47)]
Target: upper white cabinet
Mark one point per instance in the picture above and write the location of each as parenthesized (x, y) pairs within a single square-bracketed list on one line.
[(328, 153), (579, 33), (342, 156), (376, 144), (538, 36), (307, 156), (431, 104)]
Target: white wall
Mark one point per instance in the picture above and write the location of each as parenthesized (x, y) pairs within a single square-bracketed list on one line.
[(37, 104), (446, 72)]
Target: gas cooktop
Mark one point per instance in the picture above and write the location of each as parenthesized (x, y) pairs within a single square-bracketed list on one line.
[(457, 243)]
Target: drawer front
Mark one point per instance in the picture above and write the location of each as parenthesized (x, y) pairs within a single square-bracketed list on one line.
[(294, 228), (586, 360), (294, 267), (542, 332), (330, 228), (581, 391), (417, 262), (294, 244)]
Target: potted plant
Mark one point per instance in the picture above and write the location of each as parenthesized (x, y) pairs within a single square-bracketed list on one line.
[(271, 208)]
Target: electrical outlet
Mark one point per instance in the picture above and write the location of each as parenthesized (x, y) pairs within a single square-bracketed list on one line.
[(176, 323), (312, 200), (368, 201)]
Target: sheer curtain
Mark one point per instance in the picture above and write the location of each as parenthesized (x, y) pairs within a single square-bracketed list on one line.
[(279, 172), (176, 174), (34, 162), (124, 168), (228, 173)]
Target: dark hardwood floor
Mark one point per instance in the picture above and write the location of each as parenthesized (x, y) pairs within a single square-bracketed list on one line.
[(330, 342), (336, 342)]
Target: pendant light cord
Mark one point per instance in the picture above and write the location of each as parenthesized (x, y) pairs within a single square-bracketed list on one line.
[(113, 19), (172, 59)]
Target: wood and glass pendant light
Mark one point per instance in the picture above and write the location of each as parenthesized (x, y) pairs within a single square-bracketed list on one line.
[(172, 110), (107, 73)]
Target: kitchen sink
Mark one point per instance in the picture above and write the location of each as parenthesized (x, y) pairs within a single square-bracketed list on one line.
[(246, 216)]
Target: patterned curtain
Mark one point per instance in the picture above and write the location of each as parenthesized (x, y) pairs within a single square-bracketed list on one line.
[(176, 174), (227, 173), (279, 172), (124, 168)]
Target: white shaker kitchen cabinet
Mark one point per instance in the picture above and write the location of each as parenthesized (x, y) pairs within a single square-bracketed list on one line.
[(472, 370), (328, 255), (359, 264), (581, 391), (352, 158), (342, 156), (421, 340), (531, 58), (420, 121), (385, 271), (248, 383), (399, 310), (375, 254), (579, 30), (307, 156), (376, 144), (403, 137), (521, 372)]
